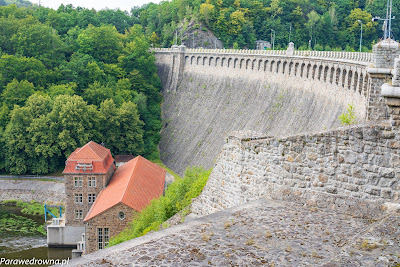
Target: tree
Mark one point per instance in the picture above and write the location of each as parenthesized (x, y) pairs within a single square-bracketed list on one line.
[(103, 43), (39, 41), (75, 122), (16, 93), (353, 29), (122, 129), (154, 40), (97, 93), (62, 89), (207, 12), (313, 19), (22, 68)]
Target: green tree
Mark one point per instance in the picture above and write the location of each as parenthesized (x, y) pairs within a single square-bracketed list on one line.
[(16, 93), (97, 93), (103, 43), (39, 41)]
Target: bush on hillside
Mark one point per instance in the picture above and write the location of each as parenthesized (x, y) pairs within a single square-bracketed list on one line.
[(178, 196)]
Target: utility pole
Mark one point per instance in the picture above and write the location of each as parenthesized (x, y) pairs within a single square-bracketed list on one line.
[(361, 34), (273, 39), (390, 20), (387, 22)]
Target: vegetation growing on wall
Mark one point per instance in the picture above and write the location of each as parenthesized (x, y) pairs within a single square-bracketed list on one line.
[(349, 117), (70, 76), (178, 196)]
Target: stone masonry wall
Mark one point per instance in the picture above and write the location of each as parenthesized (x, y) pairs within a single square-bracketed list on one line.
[(108, 219), (70, 191), (28, 190), (353, 170)]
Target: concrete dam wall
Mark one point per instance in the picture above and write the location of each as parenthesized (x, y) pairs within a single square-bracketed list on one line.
[(206, 96)]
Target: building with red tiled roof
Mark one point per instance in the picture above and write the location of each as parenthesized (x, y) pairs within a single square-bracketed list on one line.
[(87, 171), (101, 199), (130, 190)]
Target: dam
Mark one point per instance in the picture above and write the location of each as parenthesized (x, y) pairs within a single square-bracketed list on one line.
[(209, 93), (289, 187)]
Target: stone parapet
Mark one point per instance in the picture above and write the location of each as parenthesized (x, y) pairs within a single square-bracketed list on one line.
[(336, 169), (385, 52)]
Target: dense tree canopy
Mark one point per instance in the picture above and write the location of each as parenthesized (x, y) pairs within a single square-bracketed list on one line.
[(70, 76), (328, 24)]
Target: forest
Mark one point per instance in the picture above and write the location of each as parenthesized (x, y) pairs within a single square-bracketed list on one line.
[(327, 25), (72, 75)]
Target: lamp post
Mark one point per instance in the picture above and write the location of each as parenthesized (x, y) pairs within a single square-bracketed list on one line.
[(273, 39), (361, 34)]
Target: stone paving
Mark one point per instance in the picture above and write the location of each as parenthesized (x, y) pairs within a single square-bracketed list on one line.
[(263, 233)]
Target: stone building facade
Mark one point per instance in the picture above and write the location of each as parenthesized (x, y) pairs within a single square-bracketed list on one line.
[(107, 224), (88, 170), (130, 190)]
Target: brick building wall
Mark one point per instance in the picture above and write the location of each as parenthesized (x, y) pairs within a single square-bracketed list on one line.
[(70, 191), (108, 219)]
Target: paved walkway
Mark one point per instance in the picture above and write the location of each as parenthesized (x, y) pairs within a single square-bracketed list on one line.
[(263, 233)]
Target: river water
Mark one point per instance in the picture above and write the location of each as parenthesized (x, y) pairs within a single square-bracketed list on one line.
[(28, 247)]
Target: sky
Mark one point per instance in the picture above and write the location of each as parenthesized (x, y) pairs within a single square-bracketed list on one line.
[(96, 4)]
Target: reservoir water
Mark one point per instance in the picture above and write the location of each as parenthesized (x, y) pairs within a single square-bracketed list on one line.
[(14, 246)]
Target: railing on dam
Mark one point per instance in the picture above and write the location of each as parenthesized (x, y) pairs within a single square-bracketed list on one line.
[(354, 56)]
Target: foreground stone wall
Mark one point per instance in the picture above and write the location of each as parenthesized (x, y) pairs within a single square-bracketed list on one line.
[(351, 169), (28, 190)]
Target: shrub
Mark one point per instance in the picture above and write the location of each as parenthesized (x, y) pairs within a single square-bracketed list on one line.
[(348, 118), (178, 196)]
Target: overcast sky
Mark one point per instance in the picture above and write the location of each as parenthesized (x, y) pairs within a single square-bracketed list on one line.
[(96, 4)]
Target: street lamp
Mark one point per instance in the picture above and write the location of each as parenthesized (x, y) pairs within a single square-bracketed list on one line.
[(273, 40), (361, 34)]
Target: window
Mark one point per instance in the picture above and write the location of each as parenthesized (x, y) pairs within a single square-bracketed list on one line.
[(103, 237), (84, 167), (91, 198), (92, 181), (78, 214), (78, 181), (78, 198), (121, 215)]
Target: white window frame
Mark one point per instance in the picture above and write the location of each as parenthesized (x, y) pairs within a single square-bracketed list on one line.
[(91, 197), (78, 198), (92, 182), (78, 181), (103, 237), (78, 214)]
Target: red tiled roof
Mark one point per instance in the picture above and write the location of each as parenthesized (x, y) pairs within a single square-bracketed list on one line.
[(91, 153), (134, 184)]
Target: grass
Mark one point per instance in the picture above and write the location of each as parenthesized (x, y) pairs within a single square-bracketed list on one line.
[(177, 197), (162, 165)]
